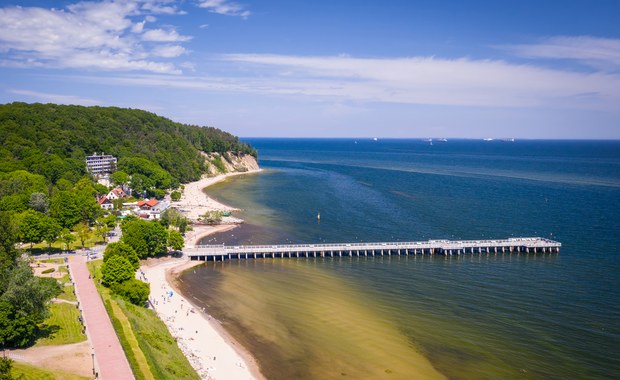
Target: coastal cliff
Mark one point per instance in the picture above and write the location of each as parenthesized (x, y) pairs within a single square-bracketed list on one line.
[(230, 162)]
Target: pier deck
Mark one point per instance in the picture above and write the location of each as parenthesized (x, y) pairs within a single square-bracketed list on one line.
[(430, 247)]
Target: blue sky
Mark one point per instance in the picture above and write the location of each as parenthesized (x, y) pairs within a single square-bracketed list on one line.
[(473, 69)]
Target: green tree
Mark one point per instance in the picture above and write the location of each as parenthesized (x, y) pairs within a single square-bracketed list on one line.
[(16, 329), (87, 205), (66, 237), (122, 249), (82, 231), (8, 237), (183, 224), (23, 304), (175, 240), (213, 217), (16, 188), (146, 238), (39, 202), (175, 196), (50, 230), (120, 178), (109, 220), (133, 290), (171, 217), (31, 227), (116, 270), (6, 366), (64, 208), (102, 230)]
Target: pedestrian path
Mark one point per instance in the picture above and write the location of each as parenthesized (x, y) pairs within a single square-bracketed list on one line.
[(110, 360)]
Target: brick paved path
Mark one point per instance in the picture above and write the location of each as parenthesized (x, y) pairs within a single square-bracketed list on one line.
[(111, 361)]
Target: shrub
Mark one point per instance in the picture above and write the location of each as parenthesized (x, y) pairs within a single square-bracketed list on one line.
[(133, 290), (117, 269), (122, 249), (48, 270), (219, 164)]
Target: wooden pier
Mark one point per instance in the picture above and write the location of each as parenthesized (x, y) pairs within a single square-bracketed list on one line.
[(430, 247)]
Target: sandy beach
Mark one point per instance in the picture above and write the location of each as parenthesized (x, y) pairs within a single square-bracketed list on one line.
[(194, 202), (212, 353)]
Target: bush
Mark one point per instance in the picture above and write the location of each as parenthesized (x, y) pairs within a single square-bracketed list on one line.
[(48, 270), (134, 291), (219, 164), (116, 270), (122, 249), (175, 196)]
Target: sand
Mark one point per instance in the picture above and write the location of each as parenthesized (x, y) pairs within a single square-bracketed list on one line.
[(194, 202), (210, 350), (212, 353)]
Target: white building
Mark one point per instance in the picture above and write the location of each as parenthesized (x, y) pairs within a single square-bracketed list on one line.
[(100, 164), (117, 193)]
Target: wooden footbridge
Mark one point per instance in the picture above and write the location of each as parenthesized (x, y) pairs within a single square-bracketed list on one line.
[(430, 247)]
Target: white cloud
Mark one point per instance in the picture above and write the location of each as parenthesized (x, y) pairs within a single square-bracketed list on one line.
[(599, 53), (225, 7), (418, 80), (162, 7), (168, 51), (423, 80), (162, 35), (92, 35), (138, 27), (55, 98)]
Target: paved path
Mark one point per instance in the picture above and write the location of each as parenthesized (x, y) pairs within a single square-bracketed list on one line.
[(110, 358)]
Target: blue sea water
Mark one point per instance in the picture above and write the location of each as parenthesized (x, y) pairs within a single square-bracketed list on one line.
[(480, 316)]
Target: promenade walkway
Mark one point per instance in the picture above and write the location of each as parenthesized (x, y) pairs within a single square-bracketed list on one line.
[(111, 362)]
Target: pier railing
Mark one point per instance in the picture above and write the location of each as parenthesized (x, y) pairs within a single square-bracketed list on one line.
[(430, 247)]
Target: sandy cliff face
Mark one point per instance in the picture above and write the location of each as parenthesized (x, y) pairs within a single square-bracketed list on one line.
[(230, 163)]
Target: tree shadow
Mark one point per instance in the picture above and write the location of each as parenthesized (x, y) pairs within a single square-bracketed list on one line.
[(46, 331)]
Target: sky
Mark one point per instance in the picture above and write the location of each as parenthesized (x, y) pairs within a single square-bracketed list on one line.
[(339, 68)]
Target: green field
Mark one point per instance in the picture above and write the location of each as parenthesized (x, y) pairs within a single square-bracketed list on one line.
[(29, 372), (67, 293), (62, 326), (151, 350)]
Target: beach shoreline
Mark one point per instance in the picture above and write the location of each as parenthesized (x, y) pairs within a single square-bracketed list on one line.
[(210, 349), (194, 202)]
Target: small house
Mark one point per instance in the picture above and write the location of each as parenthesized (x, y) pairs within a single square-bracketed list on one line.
[(117, 193), (105, 203), (148, 204)]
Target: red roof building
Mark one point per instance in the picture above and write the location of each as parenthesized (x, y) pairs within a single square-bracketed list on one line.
[(105, 203)]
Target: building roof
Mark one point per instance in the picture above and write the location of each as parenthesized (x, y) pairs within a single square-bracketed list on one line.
[(148, 202), (103, 200), (119, 192)]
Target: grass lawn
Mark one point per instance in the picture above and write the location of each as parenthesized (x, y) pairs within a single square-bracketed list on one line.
[(67, 293), (34, 373), (62, 326), (53, 261), (145, 338), (58, 247)]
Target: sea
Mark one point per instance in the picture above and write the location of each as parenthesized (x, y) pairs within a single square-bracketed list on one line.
[(475, 316)]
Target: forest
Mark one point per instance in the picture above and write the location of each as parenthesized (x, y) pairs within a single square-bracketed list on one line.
[(47, 195), (52, 140)]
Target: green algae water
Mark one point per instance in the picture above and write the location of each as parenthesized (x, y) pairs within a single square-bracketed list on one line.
[(470, 317)]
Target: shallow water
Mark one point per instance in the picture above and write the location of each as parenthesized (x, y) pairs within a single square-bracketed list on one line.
[(480, 316)]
